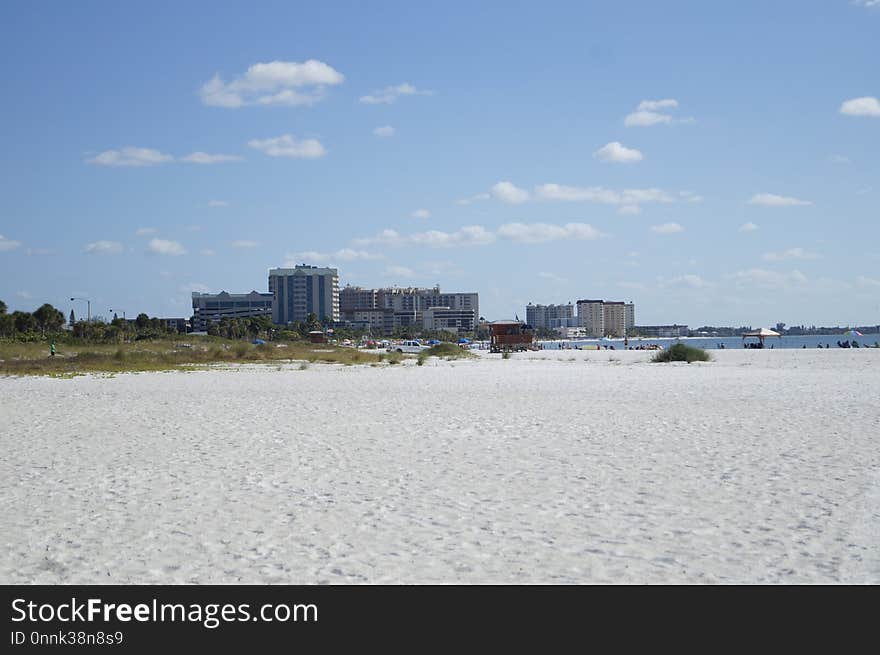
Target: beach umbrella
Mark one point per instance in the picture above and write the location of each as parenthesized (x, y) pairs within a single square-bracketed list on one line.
[(258, 342), (433, 342), (853, 333), (761, 334), (462, 341)]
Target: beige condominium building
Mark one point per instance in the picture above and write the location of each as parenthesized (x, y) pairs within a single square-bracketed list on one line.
[(600, 318)]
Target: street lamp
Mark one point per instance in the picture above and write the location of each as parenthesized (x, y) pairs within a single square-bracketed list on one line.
[(123, 313), (88, 308)]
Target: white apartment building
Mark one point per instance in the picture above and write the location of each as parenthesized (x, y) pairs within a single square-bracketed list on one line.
[(303, 290)]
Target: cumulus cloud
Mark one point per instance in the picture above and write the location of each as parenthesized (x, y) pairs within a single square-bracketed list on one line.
[(287, 145), (867, 282), (690, 280), (287, 83), (690, 196), (748, 227), (509, 193), (865, 106), (470, 235), (602, 195), (542, 232), (165, 247), (342, 255), (144, 231), (421, 213), (768, 279), (791, 253), (390, 94), (618, 153), (473, 199), (477, 235), (7, 244), (773, 200), (654, 112), (205, 158), (217, 203), (103, 247), (244, 243), (667, 228), (130, 156), (384, 131), (207, 252)]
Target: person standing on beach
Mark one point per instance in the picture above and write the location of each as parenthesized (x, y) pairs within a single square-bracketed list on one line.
[(52, 349)]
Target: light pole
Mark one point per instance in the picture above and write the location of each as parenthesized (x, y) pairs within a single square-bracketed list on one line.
[(123, 313), (88, 308)]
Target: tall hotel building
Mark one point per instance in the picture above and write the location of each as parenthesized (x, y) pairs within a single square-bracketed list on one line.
[(303, 290), (549, 316)]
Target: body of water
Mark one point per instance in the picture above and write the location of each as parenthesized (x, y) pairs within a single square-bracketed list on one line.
[(712, 343)]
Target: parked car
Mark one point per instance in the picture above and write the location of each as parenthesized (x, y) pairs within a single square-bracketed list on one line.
[(413, 346)]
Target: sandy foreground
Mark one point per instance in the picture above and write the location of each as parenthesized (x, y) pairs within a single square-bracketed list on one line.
[(555, 467)]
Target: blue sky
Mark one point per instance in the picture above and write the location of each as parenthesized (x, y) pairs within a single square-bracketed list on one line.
[(712, 162)]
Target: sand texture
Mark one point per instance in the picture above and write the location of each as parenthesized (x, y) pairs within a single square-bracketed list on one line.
[(553, 467)]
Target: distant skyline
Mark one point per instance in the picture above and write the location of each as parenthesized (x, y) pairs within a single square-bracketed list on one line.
[(714, 163)]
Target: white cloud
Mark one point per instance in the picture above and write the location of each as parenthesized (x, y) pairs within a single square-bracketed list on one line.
[(470, 235), (287, 145), (384, 131), (654, 105), (244, 243), (390, 94), (866, 106), (867, 3), (205, 158), (748, 227), (629, 210), (867, 282), (618, 153), (791, 253), (542, 232), (144, 231), (477, 235), (130, 156), (165, 247), (602, 195), (7, 244), (646, 119), (103, 247), (342, 255), (421, 213), (651, 112), (509, 193), (472, 199), (207, 252), (690, 280), (32, 251), (667, 228), (399, 271), (768, 279), (26, 295), (772, 200), (840, 159), (690, 196), (218, 203), (273, 83)]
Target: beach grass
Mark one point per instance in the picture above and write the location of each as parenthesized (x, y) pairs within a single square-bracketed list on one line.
[(444, 351), (682, 353), (22, 358)]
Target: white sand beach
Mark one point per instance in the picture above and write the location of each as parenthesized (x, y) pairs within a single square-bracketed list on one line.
[(549, 467)]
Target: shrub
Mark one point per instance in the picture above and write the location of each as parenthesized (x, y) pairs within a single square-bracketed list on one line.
[(682, 353)]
